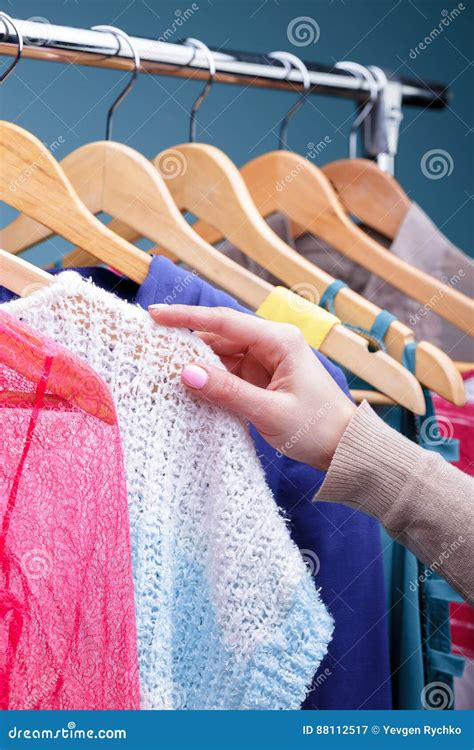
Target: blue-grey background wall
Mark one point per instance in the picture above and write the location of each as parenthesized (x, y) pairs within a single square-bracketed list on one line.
[(66, 101)]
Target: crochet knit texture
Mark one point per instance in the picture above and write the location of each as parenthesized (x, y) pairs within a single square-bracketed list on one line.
[(227, 613)]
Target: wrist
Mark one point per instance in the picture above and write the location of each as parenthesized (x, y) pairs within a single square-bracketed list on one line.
[(337, 426)]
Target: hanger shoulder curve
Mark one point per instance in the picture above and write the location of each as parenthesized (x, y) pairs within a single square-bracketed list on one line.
[(373, 196), (82, 167), (435, 367), (210, 185), (136, 192), (32, 181)]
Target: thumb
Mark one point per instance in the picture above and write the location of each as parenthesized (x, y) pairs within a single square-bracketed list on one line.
[(224, 389)]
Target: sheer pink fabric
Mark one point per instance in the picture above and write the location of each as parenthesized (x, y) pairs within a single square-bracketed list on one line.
[(67, 619)]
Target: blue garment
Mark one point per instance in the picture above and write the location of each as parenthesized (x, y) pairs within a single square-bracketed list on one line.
[(341, 546)]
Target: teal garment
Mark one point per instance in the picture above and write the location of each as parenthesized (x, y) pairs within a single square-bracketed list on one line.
[(441, 666), (404, 600)]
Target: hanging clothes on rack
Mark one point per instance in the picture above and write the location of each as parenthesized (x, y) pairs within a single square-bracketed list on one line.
[(227, 613), (67, 618), (244, 599)]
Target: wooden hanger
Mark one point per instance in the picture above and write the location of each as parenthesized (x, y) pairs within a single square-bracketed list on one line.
[(373, 196), (69, 378), (32, 181), (21, 277)]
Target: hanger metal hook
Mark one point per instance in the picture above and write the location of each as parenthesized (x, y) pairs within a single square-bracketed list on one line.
[(379, 76), (7, 20), (374, 87), (196, 44), (119, 34), (289, 60)]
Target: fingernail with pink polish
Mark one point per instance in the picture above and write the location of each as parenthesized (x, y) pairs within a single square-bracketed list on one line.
[(156, 309), (194, 376)]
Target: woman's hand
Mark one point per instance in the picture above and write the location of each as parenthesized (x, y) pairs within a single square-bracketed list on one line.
[(272, 378)]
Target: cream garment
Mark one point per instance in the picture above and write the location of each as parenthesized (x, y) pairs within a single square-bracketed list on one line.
[(421, 244), (227, 613)]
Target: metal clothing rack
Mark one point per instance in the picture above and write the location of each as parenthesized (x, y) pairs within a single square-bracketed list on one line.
[(66, 44)]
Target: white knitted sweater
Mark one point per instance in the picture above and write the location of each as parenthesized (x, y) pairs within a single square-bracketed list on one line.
[(227, 613)]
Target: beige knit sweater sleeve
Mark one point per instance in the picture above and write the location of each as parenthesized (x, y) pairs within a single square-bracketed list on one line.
[(423, 502)]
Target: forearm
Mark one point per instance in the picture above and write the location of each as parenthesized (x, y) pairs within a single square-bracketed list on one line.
[(423, 502)]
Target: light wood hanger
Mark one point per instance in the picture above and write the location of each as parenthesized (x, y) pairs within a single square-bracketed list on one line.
[(21, 277), (373, 196), (32, 181)]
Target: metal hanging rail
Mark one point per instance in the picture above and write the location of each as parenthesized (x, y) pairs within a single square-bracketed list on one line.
[(65, 44)]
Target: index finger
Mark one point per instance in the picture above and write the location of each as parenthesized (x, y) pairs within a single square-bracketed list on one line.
[(240, 327)]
